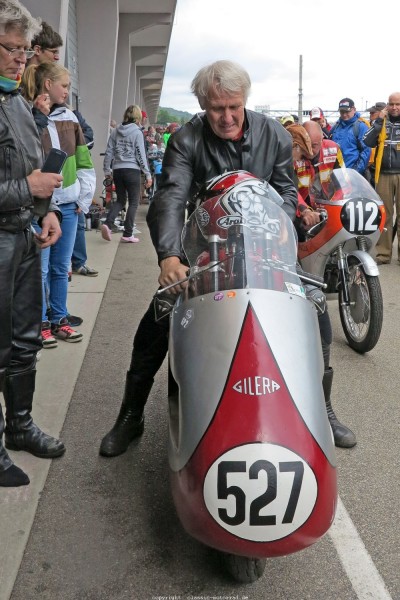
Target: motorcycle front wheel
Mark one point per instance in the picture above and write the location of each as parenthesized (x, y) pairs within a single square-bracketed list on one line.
[(242, 568), (362, 320)]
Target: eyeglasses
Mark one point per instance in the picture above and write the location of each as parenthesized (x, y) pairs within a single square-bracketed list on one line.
[(53, 51), (18, 51)]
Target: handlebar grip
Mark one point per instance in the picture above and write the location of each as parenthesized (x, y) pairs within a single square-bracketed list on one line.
[(312, 276)]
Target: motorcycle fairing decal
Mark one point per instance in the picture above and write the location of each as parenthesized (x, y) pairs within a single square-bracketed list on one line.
[(361, 216), (264, 491), (294, 288)]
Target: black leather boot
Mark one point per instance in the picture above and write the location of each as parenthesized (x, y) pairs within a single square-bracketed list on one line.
[(130, 421), (21, 432), (343, 436), (10, 474)]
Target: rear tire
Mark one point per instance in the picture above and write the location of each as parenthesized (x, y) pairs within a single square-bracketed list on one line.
[(362, 320), (244, 569)]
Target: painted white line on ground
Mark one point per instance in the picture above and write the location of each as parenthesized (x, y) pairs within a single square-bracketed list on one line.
[(360, 569)]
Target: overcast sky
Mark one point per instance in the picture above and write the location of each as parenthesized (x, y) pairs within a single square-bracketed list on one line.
[(348, 49)]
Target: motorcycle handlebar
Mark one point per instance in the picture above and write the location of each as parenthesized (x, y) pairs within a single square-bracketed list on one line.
[(311, 278)]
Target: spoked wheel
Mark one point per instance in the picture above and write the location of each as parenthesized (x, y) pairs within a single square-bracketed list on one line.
[(244, 569), (362, 320)]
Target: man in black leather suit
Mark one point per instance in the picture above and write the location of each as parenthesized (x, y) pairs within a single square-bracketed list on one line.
[(22, 185), (225, 137)]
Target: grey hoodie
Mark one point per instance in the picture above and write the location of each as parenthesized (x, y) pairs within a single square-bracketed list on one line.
[(125, 150)]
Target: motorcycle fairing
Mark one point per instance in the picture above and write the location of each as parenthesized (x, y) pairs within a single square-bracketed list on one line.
[(354, 208), (257, 482), (290, 328)]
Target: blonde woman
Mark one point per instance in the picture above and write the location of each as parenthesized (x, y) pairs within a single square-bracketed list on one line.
[(61, 129), (125, 159)]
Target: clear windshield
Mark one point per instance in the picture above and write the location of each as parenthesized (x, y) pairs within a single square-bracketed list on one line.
[(341, 185), (241, 239)]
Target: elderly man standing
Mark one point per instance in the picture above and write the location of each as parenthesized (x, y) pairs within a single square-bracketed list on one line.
[(21, 185), (385, 135)]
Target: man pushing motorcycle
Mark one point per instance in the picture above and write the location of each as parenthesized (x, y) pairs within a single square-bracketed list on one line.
[(226, 137)]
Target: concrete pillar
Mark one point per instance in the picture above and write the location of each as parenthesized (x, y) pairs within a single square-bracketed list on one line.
[(137, 54), (97, 47)]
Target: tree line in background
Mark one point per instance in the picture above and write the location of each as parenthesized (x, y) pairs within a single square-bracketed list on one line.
[(170, 115)]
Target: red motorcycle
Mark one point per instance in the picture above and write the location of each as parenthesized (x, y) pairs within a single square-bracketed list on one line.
[(338, 250), (251, 452)]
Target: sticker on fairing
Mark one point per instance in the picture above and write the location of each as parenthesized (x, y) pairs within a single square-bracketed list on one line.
[(294, 288), (260, 492), (187, 318)]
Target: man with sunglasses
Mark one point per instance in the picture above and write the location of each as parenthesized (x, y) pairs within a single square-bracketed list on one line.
[(21, 181)]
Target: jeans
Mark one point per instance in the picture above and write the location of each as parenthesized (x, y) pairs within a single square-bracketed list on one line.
[(79, 255), (127, 181), (56, 261)]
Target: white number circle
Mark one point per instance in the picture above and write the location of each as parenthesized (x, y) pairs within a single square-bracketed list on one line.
[(260, 492)]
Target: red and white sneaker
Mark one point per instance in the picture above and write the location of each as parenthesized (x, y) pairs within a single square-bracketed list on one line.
[(48, 339)]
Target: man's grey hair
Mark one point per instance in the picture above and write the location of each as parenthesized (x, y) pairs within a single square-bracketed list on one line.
[(14, 16), (222, 77)]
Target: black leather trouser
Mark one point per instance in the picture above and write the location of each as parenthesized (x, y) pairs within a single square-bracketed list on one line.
[(150, 346), (20, 302)]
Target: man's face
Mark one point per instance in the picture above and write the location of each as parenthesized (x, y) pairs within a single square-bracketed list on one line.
[(47, 54), (12, 65), (394, 105), (316, 142), (225, 114), (346, 115)]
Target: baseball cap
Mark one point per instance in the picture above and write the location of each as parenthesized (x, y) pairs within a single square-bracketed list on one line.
[(316, 113), (346, 104), (286, 120), (377, 107)]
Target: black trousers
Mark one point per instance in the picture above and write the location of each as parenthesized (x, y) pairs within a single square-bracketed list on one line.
[(150, 346), (20, 302), (127, 184)]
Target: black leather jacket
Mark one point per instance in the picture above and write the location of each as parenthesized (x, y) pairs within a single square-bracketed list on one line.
[(20, 154), (194, 155), (391, 146)]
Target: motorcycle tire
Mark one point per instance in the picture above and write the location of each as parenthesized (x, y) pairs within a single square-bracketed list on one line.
[(362, 321), (244, 569)]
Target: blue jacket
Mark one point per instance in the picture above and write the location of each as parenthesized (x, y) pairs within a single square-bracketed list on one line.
[(343, 134)]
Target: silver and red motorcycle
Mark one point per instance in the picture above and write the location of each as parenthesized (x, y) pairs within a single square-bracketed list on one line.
[(338, 250), (251, 453)]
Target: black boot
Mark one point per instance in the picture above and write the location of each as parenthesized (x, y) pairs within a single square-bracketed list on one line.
[(10, 474), (21, 432), (343, 436), (130, 421)]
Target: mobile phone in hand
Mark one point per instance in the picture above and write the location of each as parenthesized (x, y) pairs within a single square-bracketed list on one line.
[(53, 164), (54, 161)]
